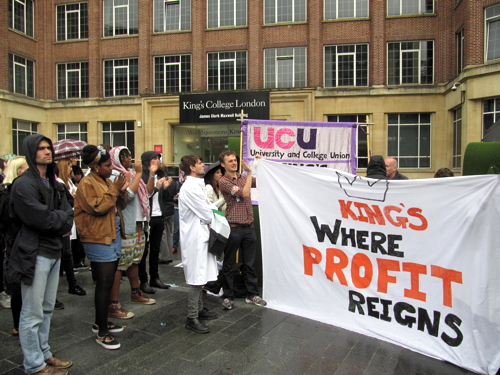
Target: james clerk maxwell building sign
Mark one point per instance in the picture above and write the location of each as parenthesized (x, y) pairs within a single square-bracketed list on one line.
[(223, 107)]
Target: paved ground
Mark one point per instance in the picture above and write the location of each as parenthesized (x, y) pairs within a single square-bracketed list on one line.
[(247, 339)]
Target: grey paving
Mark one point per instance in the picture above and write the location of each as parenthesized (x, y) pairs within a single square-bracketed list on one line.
[(245, 340)]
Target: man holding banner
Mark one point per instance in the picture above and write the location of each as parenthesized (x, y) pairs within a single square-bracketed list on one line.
[(236, 190)]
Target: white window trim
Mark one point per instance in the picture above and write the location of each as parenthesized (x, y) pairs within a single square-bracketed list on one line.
[(336, 63), (276, 12), (337, 10)]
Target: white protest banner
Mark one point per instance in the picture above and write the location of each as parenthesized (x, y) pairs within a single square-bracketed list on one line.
[(415, 263), (315, 144)]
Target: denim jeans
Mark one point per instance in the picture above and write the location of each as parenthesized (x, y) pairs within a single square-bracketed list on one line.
[(38, 305)]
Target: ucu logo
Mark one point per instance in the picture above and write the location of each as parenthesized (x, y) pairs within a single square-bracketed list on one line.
[(276, 137)]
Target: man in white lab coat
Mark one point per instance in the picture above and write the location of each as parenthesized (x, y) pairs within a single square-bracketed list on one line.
[(195, 215)]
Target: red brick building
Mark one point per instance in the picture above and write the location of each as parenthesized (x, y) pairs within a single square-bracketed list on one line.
[(425, 73)]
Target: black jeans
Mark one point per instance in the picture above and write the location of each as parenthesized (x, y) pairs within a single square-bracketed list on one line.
[(244, 238), (67, 262), (156, 227)]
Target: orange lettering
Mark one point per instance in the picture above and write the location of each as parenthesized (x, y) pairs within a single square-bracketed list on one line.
[(336, 268), (361, 260), (415, 269), (448, 276), (385, 265), (311, 256)]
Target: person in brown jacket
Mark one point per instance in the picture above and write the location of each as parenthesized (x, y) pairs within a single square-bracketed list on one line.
[(98, 204)]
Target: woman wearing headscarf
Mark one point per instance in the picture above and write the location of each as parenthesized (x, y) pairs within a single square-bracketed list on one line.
[(135, 219), (98, 205)]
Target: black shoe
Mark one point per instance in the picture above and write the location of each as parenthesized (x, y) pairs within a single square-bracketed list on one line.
[(58, 305), (79, 291), (194, 324), (204, 314), (79, 265), (157, 283), (164, 262), (147, 289)]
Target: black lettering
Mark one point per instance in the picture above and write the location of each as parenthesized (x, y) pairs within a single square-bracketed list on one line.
[(377, 240), (361, 238), (351, 236), (370, 303), (391, 246), (356, 302), (407, 320), (325, 229), (425, 321), (385, 311), (453, 322)]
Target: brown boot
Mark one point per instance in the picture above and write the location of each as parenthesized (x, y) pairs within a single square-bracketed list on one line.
[(58, 362), (51, 371)]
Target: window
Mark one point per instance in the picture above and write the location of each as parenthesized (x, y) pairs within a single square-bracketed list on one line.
[(73, 80), (409, 139), (460, 51), (120, 17), (76, 131), (21, 16), (119, 133), (335, 9), (285, 67), (491, 113), (222, 13), (493, 32), (121, 77), (410, 63), (20, 130), (346, 65), (170, 15), (284, 11), (21, 75), (400, 7), (457, 138), (362, 144), (72, 21), (172, 74), (227, 70)]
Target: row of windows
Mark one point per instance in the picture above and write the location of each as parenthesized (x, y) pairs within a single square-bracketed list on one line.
[(121, 17), (409, 134), (345, 65)]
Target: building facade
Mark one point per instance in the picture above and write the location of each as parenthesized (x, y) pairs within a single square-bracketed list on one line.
[(425, 74)]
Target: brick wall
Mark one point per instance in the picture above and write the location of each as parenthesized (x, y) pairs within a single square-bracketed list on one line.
[(449, 17)]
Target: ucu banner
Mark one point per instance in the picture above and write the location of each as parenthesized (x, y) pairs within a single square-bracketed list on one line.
[(312, 144)]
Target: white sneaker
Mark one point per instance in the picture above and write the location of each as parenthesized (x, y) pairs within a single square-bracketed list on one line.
[(5, 300)]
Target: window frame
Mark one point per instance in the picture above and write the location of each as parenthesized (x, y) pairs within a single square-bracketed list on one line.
[(297, 82), (329, 14), (239, 63), (399, 139), (489, 20), (82, 21), (83, 84), (28, 16), (422, 6), (233, 20), (132, 21), (361, 161), (128, 133), (17, 142), (275, 11), (111, 84), (401, 59), (28, 87), (457, 139), (494, 113), (160, 18), (460, 38), (334, 71), (183, 75)]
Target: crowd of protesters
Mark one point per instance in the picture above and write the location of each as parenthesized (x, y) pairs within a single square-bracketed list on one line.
[(114, 216)]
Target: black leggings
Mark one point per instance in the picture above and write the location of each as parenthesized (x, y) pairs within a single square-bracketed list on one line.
[(104, 274)]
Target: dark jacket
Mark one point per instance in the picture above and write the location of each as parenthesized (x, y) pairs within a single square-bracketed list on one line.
[(42, 212), (376, 168)]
